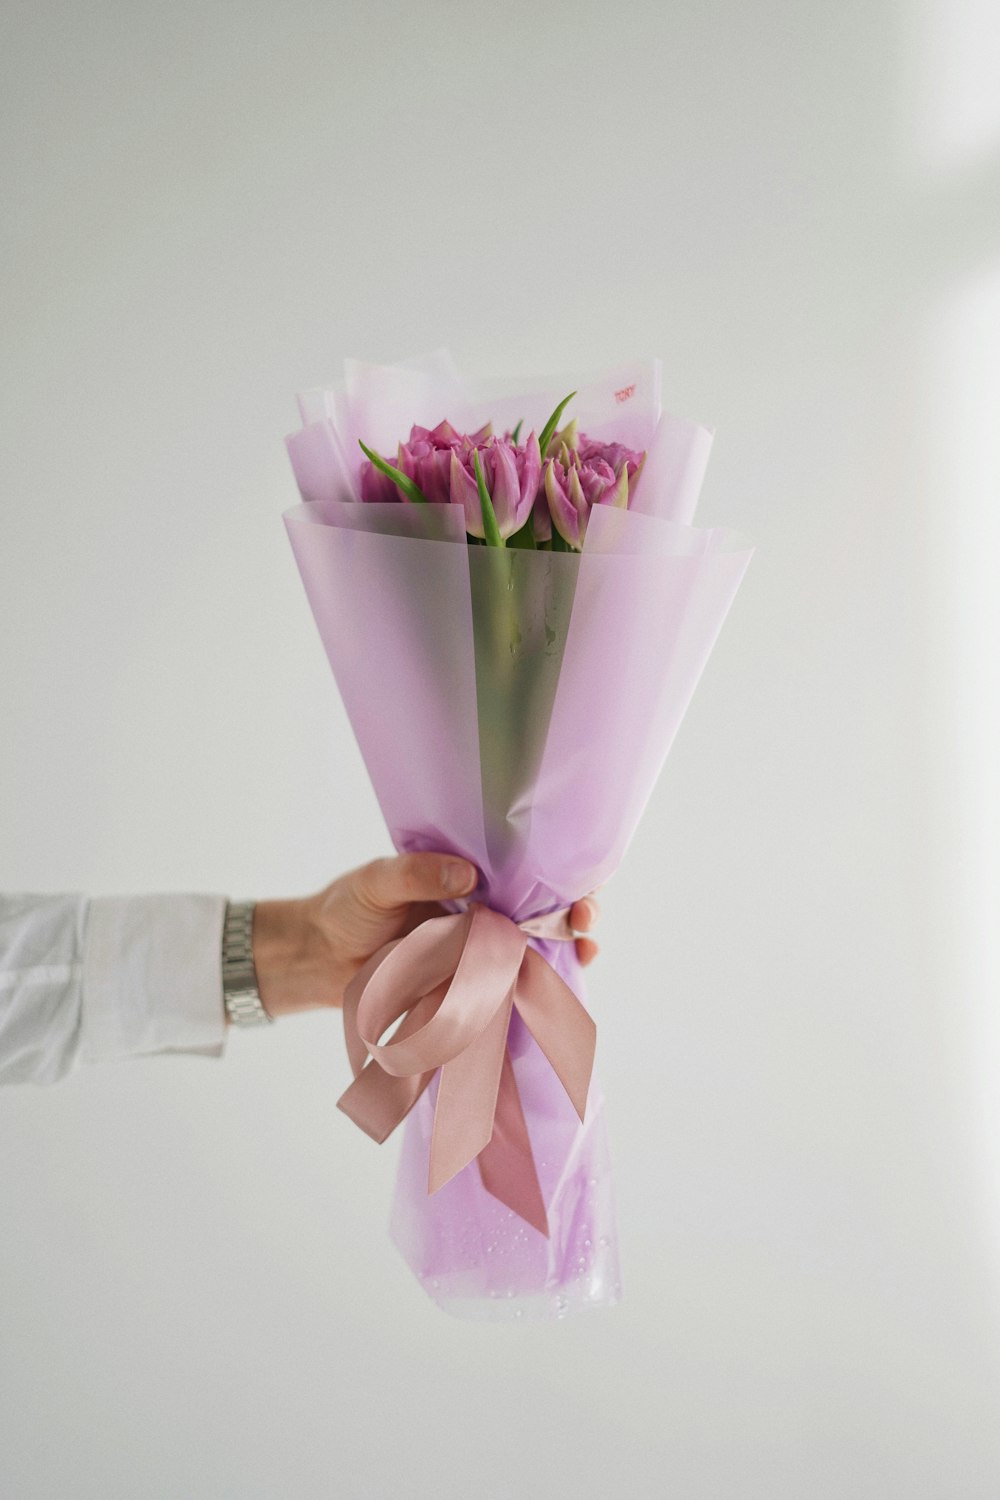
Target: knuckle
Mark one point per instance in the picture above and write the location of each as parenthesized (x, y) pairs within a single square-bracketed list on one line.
[(370, 883)]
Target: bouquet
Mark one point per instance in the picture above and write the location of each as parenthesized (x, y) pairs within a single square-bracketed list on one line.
[(516, 609)]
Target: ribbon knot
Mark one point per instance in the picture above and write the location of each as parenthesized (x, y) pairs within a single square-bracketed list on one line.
[(453, 984)]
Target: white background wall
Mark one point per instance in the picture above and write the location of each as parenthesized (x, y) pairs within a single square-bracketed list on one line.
[(204, 209)]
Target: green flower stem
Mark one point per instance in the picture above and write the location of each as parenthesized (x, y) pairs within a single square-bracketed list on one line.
[(521, 604), (525, 538)]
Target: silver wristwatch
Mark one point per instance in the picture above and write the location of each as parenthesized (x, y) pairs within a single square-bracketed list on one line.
[(239, 978)]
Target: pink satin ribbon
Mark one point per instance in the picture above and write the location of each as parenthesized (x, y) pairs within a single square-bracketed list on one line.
[(455, 981)]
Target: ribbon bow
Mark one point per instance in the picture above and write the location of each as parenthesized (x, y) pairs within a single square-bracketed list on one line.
[(455, 981)]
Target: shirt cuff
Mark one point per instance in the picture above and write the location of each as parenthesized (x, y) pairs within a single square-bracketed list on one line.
[(152, 976)]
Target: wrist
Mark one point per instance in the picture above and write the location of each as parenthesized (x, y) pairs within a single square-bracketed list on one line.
[(288, 957)]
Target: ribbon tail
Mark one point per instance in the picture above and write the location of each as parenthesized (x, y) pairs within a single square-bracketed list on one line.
[(559, 1024), (506, 1164), (377, 1102), (466, 1101)]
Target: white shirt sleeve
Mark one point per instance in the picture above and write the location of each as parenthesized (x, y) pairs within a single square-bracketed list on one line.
[(89, 980)]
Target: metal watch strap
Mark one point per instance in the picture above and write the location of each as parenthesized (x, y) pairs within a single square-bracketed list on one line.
[(239, 978)]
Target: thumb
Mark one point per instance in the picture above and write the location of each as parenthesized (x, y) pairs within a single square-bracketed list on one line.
[(387, 884)]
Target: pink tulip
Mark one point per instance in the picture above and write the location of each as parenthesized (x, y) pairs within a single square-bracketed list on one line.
[(512, 477), (579, 472), (440, 463), (583, 475), (426, 459)]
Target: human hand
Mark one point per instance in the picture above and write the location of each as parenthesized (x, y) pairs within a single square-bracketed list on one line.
[(307, 950)]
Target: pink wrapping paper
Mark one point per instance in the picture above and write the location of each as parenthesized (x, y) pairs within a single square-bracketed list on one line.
[(513, 707)]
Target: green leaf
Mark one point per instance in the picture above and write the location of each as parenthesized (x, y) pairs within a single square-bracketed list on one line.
[(492, 530), (517, 431), (559, 543), (553, 423), (410, 490)]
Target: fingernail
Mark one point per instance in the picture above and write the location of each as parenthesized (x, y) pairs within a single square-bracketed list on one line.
[(458, 877)]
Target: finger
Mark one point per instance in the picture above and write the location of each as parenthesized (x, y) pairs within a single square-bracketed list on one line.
[(584, 914), (386, 884), (586, 950)]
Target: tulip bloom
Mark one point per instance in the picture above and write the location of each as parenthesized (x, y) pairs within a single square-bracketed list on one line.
[(512, 476), (426, 459), (440, 462), (581, 473)]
